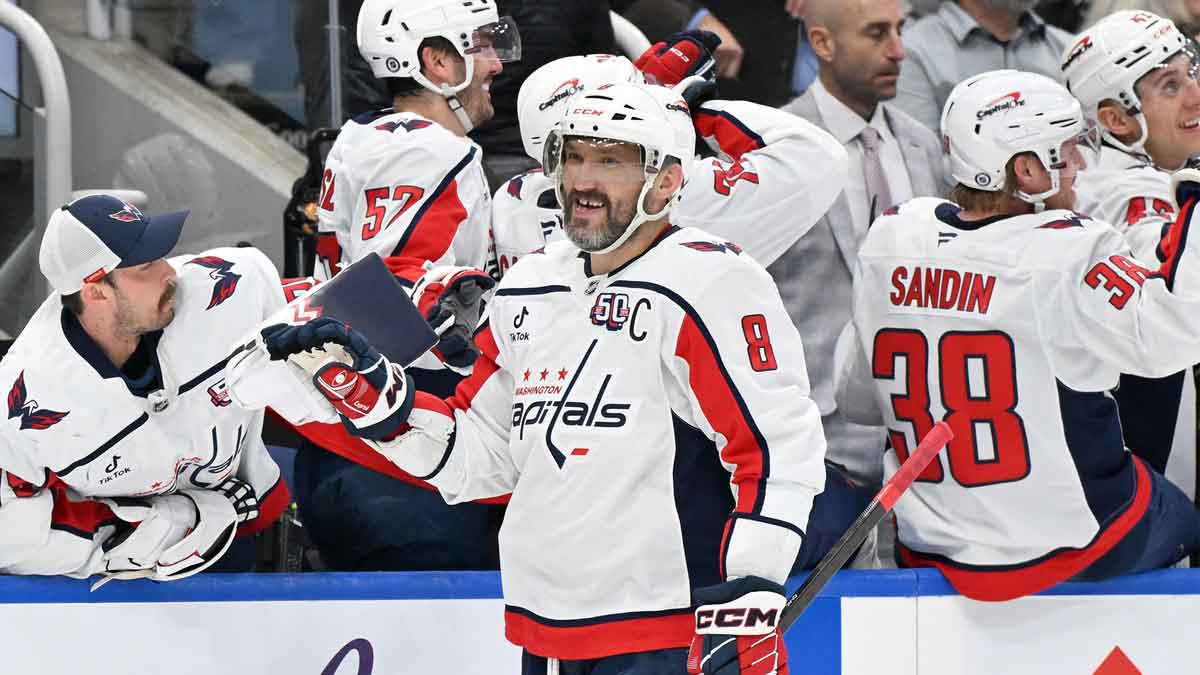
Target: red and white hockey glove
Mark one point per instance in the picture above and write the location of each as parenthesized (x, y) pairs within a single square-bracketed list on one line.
[(679, 56), (451, 300), (371, 395), (737, 629)]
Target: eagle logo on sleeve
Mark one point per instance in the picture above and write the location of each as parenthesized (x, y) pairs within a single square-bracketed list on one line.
[(32, 416), (220, 271)]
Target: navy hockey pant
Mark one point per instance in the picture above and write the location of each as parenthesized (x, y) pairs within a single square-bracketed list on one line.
[(1168, 532), (662, 662)]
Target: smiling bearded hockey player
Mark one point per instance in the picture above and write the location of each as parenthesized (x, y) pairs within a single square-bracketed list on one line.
[(642, 395)]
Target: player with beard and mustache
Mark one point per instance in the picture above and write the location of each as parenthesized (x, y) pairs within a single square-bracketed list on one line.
[(122, 452), (968, 37), (633, 380)]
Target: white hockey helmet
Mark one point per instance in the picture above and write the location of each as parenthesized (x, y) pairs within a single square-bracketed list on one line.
[(652, 117), (544, 94), (1107, 60), (390, 33), (992, 117)]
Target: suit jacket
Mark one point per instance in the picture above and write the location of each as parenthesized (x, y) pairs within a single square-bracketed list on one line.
[(815, 277)]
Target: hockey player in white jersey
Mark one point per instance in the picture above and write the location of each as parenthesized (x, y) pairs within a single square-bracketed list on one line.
[(406, 182), (642, 395), (122, 452), (1011, 317), (1136, 77), (761, 164)]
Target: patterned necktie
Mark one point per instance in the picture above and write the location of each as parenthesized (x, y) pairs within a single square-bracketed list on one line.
[(877, 188)]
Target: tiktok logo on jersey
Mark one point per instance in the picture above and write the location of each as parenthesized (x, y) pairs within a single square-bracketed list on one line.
[(31, 414), (113, 470)]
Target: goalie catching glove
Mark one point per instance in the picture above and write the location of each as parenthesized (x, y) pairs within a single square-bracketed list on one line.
[(371, 395), (171, 537), (451, 300), (737, 629)]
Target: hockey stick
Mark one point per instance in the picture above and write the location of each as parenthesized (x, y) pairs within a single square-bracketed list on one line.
[(883, 502)]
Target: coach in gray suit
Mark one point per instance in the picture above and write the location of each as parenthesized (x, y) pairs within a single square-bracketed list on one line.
[(893, 158)]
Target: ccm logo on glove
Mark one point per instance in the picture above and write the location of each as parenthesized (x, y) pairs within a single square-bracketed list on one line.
[(751, 614)]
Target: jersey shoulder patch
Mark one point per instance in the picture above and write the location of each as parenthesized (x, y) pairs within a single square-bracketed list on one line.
[(26, 409)]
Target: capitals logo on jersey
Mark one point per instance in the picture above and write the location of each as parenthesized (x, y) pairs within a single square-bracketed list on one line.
[(32, 416), (1063, 223), (222, 273), (713, 247), (409, 125)]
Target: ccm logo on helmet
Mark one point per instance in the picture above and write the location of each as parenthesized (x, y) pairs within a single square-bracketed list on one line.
[(1002, 104), (737, 617)]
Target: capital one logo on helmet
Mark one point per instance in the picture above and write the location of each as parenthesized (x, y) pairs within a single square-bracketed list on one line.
[(1003, 104), (562, 91), (1078, 50)]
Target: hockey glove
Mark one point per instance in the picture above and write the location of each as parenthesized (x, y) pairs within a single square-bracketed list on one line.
[(371, 395), (737, 629), (168, 537), (451, 300), (678, 56)]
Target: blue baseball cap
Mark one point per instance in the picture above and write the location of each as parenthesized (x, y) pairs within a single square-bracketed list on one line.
[(94, 235)]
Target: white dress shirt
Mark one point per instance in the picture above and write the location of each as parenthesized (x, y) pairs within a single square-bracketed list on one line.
[(845, 125)]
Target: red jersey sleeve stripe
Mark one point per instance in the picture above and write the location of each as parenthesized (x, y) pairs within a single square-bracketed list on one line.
[(1174, 242), (334, 438), (733, 137), (433, 227), (726, 411), (485, 366)]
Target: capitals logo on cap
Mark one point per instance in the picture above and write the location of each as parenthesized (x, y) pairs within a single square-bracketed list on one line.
[(127, 214)]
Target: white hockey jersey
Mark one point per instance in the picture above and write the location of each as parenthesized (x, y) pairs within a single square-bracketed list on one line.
[(654, 428), (774, 177), (1130, 194), (1012, 330), (1158, 416), (406, 188), (75, 431)]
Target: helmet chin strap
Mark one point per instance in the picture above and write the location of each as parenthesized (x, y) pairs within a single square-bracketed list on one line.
[(1039, 200), (450, 93), (456, 107), (1137, 147)]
